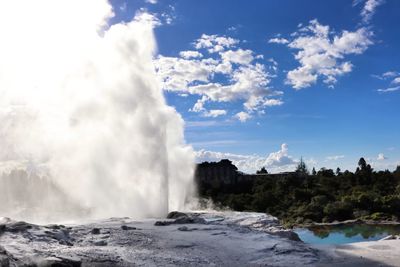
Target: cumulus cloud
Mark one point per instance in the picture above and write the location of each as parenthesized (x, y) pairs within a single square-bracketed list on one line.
[(215, 43), (239, 56), (190, 54), (215, 113), (321, 53), (278, 161), (278, 40), (369, 8), (151, 1), (381, 156), (242, 116), (336, 157), (396, 80), (241, 76)]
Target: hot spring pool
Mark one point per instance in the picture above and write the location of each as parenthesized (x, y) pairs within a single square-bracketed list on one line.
[(347, 233)]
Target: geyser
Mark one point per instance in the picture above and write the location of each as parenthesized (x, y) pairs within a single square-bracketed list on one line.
[(84, 127)]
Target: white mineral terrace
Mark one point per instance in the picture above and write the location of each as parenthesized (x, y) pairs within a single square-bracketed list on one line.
[(193, 239)]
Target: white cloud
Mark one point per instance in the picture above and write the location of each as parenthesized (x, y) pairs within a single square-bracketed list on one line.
[(389, 90), (123, 7), (390, 74), (215, 113), (369, 9), (168, 18), (278, 41), (386, 75), (321, 53), (395, 83), (278, 161), (381, 156), (244, 78), (190, 54), (242, 116), (151, 1), (232, 29), (215, 43), (336, 157), (238, 56), (396, 80), (143, 16), (199, 107)]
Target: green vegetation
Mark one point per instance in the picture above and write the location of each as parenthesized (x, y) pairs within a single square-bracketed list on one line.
[(322, 196)]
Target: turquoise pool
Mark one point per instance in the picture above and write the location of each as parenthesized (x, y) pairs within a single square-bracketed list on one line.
[(348, 233)]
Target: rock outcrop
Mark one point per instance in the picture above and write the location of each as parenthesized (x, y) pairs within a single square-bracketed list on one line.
[(187, 239)]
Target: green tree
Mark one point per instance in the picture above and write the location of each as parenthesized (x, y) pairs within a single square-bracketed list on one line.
[(302, 168), (362, 164), (397, 169), (263, 170), (313, 172)]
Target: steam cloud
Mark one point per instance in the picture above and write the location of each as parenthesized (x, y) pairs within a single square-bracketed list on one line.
[(84, 127)]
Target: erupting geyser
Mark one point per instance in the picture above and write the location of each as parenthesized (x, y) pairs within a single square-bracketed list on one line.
[(84, 127)]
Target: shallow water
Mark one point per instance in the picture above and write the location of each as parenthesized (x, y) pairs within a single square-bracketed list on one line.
[(343, 234)]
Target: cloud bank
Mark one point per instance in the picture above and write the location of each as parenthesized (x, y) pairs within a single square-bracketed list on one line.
[(279, 161), (220, 71)]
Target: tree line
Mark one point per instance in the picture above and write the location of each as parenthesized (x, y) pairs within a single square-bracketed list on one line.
[(318, 196)]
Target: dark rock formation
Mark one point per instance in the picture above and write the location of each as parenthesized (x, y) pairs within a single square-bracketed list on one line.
[(181, 218), (125, 227), (4, 257), (95, 231), (176, 214)]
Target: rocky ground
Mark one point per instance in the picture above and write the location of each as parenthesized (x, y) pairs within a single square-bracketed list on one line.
[(193, 239)]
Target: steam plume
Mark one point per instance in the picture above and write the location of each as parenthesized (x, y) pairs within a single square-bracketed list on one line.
[(84, 127)]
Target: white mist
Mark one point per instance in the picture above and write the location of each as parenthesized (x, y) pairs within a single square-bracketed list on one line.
[(83, 116)]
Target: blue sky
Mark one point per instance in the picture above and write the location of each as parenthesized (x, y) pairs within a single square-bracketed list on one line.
[(267, 82)]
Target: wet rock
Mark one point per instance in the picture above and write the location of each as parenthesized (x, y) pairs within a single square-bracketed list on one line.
[(219, 233), (95, 231), (2, 228), (286, 234), (188, 220), (18, 227), (4, 259), (176, 215), (199, 220), (162, 223), (183, 228), (66, 243), (125, 227), (100, 243), (60, 262), (54, 226), (62, 236), (182, 220), (186, 229)]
